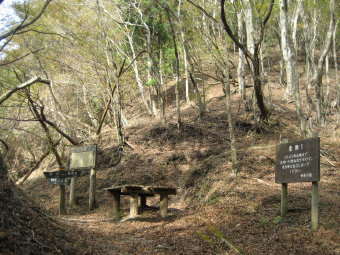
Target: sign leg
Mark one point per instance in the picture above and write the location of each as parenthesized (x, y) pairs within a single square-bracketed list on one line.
[(284, 199), (62, 207), (315, 205), (92, 198), (73, 192)]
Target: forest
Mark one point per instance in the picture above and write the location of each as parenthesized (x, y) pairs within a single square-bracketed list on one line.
[(196, 95)]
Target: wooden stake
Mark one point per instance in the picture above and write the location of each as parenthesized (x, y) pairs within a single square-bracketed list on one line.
[(315, 205), (133, 205), (73, 192), (164, 204), (284, 199), (92, 191)]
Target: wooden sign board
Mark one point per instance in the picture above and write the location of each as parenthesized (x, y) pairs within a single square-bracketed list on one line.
[(62, 174), (83, 157), (298, 161)]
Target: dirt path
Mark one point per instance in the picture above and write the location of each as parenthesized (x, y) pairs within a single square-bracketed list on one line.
[(146, 234)]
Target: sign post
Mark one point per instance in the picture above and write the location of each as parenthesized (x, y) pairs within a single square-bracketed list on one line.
[(315, 205), (61, 178), (62, 198), (84, 158), (284, 193), (299, 162)]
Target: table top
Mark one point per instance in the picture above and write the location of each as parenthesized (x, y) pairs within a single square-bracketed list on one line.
[(132, 188)]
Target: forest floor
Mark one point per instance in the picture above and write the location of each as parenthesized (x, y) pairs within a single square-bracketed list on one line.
[(213, 213)]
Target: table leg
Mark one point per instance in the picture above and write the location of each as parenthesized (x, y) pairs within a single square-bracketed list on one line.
[(116, 205), (133, 204), (143, 201), (164, 204)]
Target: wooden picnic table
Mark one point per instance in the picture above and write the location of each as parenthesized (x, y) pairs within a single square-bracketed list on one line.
[(143, 192)]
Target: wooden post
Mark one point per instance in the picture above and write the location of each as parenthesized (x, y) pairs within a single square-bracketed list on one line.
[(315, 205), (164, 204), (133, 205), (116, 205), (284, 199), (73, 192), (92, 197), (284, 192), (62, 207)]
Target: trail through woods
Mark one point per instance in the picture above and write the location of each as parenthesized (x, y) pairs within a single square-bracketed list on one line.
[(213, 212)]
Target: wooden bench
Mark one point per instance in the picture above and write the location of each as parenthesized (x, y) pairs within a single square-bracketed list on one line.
[(143, 192)]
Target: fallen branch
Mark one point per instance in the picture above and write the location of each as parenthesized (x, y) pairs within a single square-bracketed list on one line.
[(84, 221), (263, 182), (43, 245), (328, 160)]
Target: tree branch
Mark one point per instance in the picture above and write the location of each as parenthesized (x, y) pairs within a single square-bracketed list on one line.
[(56, 128), (231, 34), (17, 59), (24, 85), (5, 144), (22, 25)]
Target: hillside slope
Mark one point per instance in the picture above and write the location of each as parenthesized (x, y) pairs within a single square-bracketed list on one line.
[(213, 212)]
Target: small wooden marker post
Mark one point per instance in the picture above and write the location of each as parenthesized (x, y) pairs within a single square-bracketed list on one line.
[(299, 162)]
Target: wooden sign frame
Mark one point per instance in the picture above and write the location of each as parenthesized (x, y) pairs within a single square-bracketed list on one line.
[(90, 151), (301, 161), (298, 161)]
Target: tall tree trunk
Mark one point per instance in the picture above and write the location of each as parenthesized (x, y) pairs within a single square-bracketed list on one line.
[(291, 65), (249, 26), (317, 77), (137, 76), (3, 169), (191, 71), (178, 109), (240, 68), (253, 57), (231, 125), (337, 82)]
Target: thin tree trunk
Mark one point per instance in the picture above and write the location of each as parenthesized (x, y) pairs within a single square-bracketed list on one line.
[(178, 109), (337, 83), (291, 65), (240, 68), (231, 126), (317, 77)]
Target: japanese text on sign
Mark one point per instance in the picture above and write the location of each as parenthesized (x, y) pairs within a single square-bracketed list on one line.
[(298, 161)]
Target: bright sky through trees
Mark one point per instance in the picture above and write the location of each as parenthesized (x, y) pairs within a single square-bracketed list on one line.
[(6, 13)]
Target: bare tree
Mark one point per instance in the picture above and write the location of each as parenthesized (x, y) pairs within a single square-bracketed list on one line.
[(289, 55), (252, 57)]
